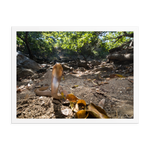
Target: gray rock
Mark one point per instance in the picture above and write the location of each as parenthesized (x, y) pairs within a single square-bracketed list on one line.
[(22, 72), (25, 62)]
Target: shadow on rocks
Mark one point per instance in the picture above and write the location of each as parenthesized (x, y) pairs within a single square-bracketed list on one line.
[(57, 109)]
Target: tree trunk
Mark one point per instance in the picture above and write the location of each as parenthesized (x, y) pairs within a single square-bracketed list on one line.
[(27, 44), (29, 50)]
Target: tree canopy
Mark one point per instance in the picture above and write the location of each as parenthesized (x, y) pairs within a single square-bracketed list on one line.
[(116, 39), (84, 43)]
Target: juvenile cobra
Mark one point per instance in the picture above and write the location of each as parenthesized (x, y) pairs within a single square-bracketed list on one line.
[(55, 81)]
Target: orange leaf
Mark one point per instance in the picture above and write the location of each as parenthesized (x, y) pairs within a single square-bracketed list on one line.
[(71, 98), (82, 114), (81, 102)]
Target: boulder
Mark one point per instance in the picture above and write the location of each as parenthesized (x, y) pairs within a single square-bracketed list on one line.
[(25, 62), (23, 73)]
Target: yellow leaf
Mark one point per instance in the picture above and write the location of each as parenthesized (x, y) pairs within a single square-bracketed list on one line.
[(75, 86), (119, 75), (72, 105), (62, 94)]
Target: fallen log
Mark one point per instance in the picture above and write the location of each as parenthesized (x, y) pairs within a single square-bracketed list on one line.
[(120, 57)]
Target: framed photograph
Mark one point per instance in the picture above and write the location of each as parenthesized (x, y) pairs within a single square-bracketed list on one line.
[(74, 75)]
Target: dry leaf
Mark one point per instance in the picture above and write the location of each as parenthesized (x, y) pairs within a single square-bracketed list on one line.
[(96, 111), (128, 88), (81, 102), (71, 98), (107, 79), (94, 82), (75, 86), (82, 114), (38, 86), (100, 83), (130, 80), (63, 92), (19, 90), (112, 76), (72, 105), (74, 72), (43, 88), (76, 108), (106, 83), (119, 75), (63, 96), (89, 79), (26, 96)]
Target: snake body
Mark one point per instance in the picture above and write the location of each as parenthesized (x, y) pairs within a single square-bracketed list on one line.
[(55, 81)]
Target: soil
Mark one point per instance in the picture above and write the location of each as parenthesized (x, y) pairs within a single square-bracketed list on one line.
[(90, 86)]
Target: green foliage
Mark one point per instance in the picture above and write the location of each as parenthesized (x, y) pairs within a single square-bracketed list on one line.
[(111, 41), (41, 43), (87, 44), (19, 42), (74, 40), (84, 43)]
